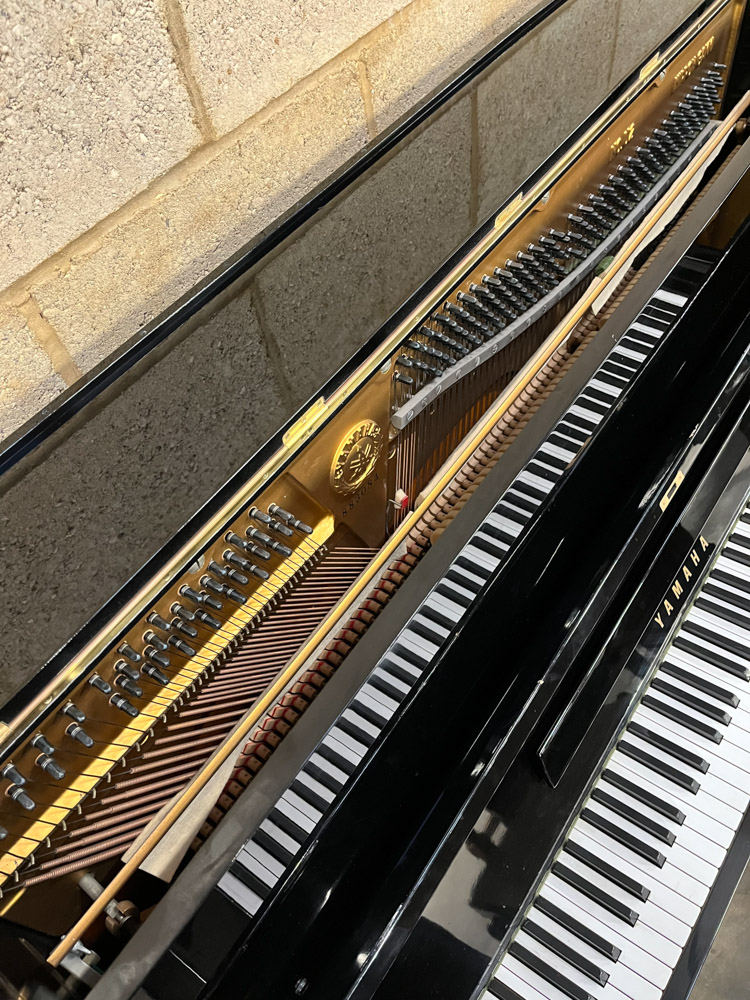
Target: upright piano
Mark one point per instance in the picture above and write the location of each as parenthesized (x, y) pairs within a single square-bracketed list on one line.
[(446, 695)]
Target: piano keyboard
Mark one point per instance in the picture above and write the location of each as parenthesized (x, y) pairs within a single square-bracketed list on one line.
[(617, 906), (262, 861)]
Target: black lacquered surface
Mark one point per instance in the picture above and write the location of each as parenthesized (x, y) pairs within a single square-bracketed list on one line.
[(453, 746)]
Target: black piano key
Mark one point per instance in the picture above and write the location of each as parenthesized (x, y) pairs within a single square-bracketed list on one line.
[(343, 763), (737, 600), (605, 398), (369, 714), (559, 463), (533, 492), (643, 795), (627, 812), (501, 991), (738, 539), (615, 381), (694, 725), (573, 431), (309, 796), (692, 701), (634, 345), (594, 893), (713, 656), (324, 777), (732, 614), (502, 536), (580, 422), (586, 401), (249, 879), (473, 567), (453, 595), (700, 683), (659, 766), (565, 952), (381, 683), (734, 581), (289, 827), (488, 545), (514, 497), (606, 870), (547, 973), (422, 628), (674, 749), (594, 940), (408, 654), (274, 848), (620, 370), (628, 840), (721, 639), (352, 729)]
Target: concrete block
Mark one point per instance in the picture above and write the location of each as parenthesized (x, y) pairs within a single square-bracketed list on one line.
[(91, 110), (330, 290), (27, 378), (214, 207), (245, 55), (79, 524), (641, 26), (726, 973), (539, 92), (425, 44)]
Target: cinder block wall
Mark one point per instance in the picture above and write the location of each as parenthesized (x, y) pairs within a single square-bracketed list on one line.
[(142, 142), (145, 143)]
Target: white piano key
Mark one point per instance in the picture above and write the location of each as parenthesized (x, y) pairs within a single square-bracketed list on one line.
[(659, 892), (351, 715), (595, 990), (702, 668), (536, 481), (666, 953), (242, 895), (630, 354), (687, 862), (280, 836), (738, 729), (643, 327), (670, 298), (621, 976), (520, 498), (377, 701), (720, 626), (520, 514), (480, 558), (692, 840), (674, 878), (504, 523), (703, 822), (443, 606), (721, 757), (547, 447), (713, 784), (606, 387), (507, 973), (395, 682), (315, 786), (428, 623), (249, 859), (345, 745), (666, 924), (732, 567), (393, 659), (704, 801), (425, 650), (299, 811)]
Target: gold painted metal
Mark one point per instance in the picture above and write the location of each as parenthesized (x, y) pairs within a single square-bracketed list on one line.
[(673, 487), (567, 176), (356, 457), (281, 683)]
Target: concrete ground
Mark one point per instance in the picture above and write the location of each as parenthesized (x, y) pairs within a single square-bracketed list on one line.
[(726, 974)]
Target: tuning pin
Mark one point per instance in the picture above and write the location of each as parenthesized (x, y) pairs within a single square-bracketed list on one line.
[(582, 240), (298, 525), (3, 833), (157, 657), (192, 595), (124, 705), (121, 667), (100, 684), (444, 339), (249, 567), (611, 195), (280, 528), (209, 584), (76, 733), (21, 797), (189, 630), (128, 685), (182, 612), (149, 670), (236, 577), (155, 640), (183, 646), (73, 711), (211, 602), (127, 650), (12, 774), (236, 596), (42, 743), (50, 766), (403, 379), (159, 622), (206, 619), (258, 515), (431, 352), (450, 323)]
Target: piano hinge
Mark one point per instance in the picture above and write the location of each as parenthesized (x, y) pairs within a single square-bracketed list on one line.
[(303, 426), (673, 487)]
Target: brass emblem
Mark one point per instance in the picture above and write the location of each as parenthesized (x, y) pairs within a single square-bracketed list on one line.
[(356, 457)]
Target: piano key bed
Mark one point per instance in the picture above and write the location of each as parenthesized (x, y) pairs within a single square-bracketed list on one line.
[(617, 906), (262, 862)]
